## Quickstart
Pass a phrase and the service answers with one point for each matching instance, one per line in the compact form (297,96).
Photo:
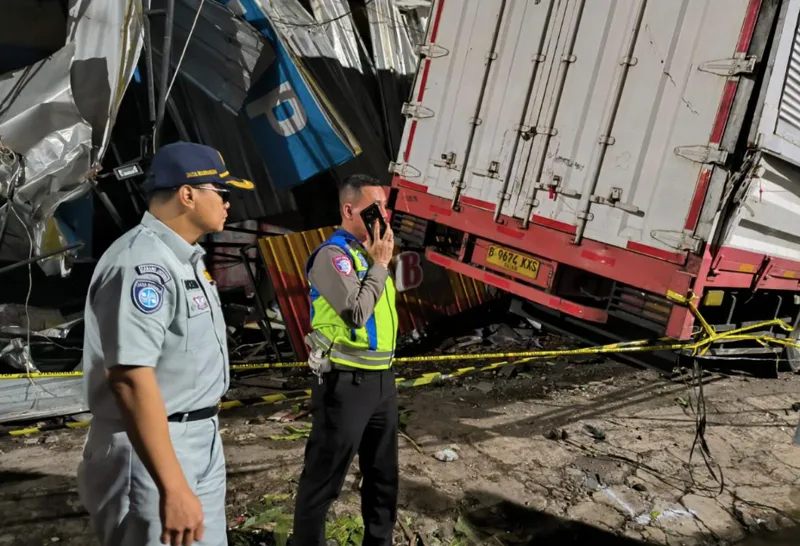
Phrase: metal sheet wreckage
(56,117)
(55,123)
(277,77)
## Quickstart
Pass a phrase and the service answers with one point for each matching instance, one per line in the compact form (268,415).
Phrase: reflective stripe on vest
(370,347)
(338,352)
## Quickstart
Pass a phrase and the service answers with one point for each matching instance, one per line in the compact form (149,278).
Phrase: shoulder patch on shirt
(153,269)
(191,284)
(148,296)
(343,265)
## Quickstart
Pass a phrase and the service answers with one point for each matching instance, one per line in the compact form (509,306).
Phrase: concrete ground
(564,452)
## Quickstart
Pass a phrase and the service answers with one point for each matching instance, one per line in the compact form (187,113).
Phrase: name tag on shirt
(191,284)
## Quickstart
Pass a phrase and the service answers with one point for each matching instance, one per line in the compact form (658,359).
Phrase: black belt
(196,415)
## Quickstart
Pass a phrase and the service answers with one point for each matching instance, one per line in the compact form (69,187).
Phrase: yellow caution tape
(710,336)
(700,347)
(44,428)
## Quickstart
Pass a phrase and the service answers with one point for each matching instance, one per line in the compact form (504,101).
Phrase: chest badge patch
(343,265)
(200,303)
(148,296)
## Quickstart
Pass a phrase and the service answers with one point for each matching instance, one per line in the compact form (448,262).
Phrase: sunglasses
(223,193)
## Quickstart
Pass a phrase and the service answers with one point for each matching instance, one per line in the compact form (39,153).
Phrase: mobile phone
(370,215)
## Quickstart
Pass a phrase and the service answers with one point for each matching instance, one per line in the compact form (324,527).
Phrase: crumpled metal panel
(58,114)
(108,38)
(442,293)
(23,399)
(338,24)
(17,354)
(391,45)
(416,14)
(304,36)
(43,123)
(222,55)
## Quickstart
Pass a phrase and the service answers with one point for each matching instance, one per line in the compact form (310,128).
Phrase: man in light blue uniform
(156,365)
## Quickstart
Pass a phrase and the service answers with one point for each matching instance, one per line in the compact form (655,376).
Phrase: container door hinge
(431,51)
(404,170)
(677,240)
(416,110)
(703,154)
(692,244)
(738,64)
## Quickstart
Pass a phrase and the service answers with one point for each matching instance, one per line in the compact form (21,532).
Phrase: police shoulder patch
(147,295)
(343,265)
(153,269)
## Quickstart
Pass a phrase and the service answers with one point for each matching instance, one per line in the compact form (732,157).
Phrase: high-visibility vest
(368,348)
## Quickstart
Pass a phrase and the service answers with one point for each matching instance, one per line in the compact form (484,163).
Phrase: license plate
(513,261)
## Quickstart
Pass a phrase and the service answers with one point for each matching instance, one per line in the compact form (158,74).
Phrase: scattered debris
(464,342)
(596,433)
(502,334)
(293,432)
(655,515)
(508,371)
(292,414)
(446,456)
(556,434)
(484,386)
(616,498)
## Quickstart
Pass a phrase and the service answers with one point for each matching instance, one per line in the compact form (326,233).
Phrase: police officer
(156,365)
(354,399)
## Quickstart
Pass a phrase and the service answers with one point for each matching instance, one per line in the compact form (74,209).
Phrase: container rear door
(592,114)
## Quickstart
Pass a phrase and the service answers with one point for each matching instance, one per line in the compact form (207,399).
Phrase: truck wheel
(793,353)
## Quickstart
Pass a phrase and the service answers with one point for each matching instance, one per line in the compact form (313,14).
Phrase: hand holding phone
(381,237)
(370,215)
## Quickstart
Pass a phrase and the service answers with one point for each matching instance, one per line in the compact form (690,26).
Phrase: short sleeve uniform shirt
(151,302)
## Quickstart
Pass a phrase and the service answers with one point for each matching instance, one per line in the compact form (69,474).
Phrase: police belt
(196,415)
(363,359)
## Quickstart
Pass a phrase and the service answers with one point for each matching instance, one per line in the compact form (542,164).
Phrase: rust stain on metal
(442,292)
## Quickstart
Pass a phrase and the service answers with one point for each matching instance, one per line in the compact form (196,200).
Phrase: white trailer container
(593,155)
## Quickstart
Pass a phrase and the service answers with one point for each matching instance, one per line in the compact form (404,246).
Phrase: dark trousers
(353,412)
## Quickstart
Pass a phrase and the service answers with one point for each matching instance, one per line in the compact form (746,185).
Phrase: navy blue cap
(182,163)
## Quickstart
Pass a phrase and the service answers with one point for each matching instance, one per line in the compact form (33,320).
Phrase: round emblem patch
(147,296)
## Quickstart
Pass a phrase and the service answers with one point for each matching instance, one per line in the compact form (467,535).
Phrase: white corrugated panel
(573,52)
(789,110)
(779,124)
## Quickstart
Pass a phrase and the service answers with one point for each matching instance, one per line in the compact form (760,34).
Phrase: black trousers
(353,412)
